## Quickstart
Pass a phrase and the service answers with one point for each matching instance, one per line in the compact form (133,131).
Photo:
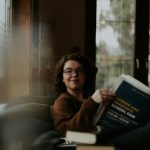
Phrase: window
(149,51)
(5,39)
(5,27)
(115,33)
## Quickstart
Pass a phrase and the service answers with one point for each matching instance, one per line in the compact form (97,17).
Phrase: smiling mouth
(74,80)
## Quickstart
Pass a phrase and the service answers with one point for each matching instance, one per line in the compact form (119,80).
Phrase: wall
(61,26)
(19,53)
(37,37)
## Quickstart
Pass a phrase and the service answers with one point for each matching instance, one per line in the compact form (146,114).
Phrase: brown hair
(89,68)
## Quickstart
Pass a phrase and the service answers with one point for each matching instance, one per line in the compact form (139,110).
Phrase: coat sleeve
(67,116)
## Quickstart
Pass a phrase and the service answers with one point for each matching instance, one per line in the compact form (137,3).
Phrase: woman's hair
(89,68)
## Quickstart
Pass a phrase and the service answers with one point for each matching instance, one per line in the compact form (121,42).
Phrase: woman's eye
(69,71)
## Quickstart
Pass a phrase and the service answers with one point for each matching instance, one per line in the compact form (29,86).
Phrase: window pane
(114,40)
(149,61)
(115,9)
(2,12)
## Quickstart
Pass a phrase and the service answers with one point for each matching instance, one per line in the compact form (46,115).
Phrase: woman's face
(73,76)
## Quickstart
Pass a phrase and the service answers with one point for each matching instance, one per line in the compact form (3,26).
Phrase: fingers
(107,95)
(106,91)
(103,95)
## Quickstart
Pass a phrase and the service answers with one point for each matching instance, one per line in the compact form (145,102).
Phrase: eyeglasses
(70,71)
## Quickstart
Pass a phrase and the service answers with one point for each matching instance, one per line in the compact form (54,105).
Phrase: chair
(26,124)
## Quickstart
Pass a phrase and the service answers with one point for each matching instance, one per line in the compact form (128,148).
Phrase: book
(81,137)
(129,110)
(131,107)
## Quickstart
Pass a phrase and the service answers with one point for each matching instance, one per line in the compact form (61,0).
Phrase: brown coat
(69,113)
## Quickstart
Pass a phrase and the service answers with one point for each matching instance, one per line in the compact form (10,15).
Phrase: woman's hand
(103,95)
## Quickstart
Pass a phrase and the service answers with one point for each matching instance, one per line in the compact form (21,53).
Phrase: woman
(75,107)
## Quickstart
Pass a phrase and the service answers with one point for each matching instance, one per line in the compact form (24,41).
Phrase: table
(89,147)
